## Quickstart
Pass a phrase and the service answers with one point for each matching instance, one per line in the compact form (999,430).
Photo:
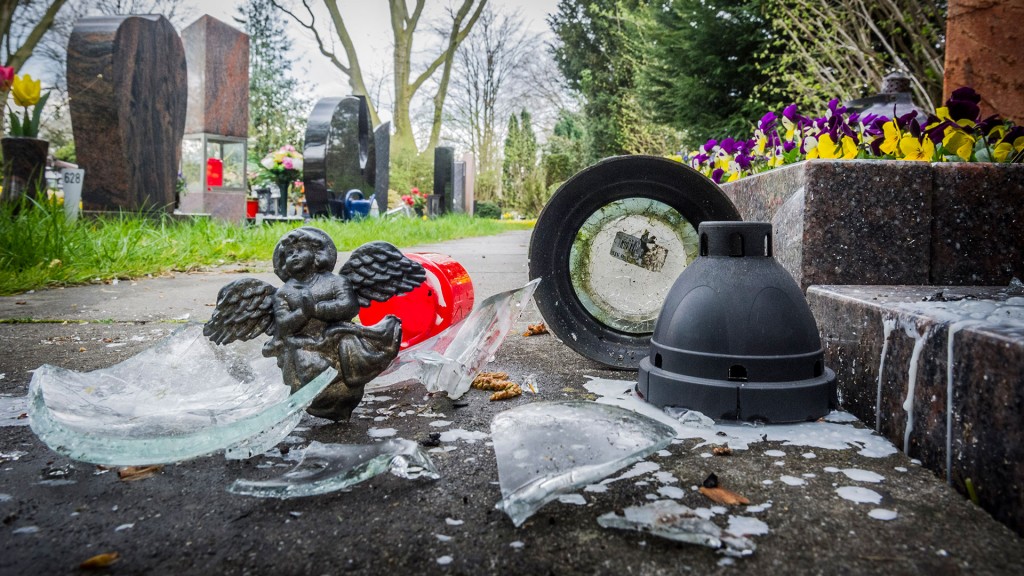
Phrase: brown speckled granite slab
(987,417)
(218,78)
(127,89)
(891,222)
(977,223)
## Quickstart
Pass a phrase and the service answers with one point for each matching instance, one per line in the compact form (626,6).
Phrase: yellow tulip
(25,90)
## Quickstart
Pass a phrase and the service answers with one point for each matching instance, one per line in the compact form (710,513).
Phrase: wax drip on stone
(888,325)
(920,339)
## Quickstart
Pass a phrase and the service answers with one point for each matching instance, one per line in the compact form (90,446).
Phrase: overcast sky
(369,24)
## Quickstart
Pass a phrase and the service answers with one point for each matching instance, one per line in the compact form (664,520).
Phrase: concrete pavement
(184,521)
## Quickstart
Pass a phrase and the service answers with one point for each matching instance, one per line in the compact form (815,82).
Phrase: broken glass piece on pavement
(449,361)
(184,397)
(675,521)
(327,468)
(546,449)
(13,410)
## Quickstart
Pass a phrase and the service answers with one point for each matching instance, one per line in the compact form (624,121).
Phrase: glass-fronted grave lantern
(214,171)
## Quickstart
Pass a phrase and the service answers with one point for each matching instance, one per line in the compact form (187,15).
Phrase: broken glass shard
(13,410)
(184,397)
(327,468)
(546,449)
(678,522)
(449,361)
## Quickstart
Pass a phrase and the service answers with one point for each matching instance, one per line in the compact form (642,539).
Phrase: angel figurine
(310,316)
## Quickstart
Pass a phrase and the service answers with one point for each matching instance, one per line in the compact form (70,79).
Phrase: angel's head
(306,239)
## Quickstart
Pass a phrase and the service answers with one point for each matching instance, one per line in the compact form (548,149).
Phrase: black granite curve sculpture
(310,316)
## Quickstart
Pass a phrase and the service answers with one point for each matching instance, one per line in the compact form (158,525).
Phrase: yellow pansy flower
(891,133)
(914,149)
(961,143)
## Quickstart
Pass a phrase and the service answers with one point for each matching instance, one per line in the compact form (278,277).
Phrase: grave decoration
(284,166)
(954,132)
(735,339)
(310,317)
(24,152)
(609,244)
(214,157)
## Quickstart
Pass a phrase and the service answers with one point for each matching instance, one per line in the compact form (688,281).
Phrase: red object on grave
(443,299)
(214,172)
(252,206)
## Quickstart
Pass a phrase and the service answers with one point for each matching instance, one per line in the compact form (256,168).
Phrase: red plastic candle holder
(443,299)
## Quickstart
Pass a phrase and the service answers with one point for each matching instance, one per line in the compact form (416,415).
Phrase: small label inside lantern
(643,251)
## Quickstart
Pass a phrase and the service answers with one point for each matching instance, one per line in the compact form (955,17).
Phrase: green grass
(40,249)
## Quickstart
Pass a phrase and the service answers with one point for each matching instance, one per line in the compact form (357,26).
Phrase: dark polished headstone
(218,78)
(128,92)
(382,160)
(338,146)
(444,177)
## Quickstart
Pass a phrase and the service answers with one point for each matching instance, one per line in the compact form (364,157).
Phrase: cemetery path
(825,508)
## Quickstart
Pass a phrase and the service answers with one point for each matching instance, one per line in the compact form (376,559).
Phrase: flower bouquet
(415,200)
(285,166)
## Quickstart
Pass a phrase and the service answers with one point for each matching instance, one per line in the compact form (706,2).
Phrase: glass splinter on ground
(184,397)
(449,361)
(546,449)
(327,468)
(674,521)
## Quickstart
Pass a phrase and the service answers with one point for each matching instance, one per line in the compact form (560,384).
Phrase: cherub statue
(310,316)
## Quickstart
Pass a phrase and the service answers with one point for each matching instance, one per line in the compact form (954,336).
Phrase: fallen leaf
(536,329)
(723,496)
(21,302)
(100,561)
(133,473)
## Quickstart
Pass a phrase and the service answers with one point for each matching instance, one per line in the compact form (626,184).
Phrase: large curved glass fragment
(449,361)
(545,449)
(330,467)
(182,398)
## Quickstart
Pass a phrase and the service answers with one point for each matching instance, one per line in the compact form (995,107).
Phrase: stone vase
(24,168)
(284,183)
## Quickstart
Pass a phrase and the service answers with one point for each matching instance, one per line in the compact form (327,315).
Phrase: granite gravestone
(217,121)
(128,93)
(382,159)
(469,193)
(337,154)
(983,42)
(444,171)
(459,187)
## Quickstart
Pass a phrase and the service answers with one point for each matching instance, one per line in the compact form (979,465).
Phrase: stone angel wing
(245,309)
(379,271)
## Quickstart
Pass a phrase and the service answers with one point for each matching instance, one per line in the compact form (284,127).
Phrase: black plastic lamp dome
(735,339)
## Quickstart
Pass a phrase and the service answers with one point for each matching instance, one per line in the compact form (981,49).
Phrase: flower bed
(953,133)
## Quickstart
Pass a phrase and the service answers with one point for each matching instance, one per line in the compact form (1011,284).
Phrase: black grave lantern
(735,339)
